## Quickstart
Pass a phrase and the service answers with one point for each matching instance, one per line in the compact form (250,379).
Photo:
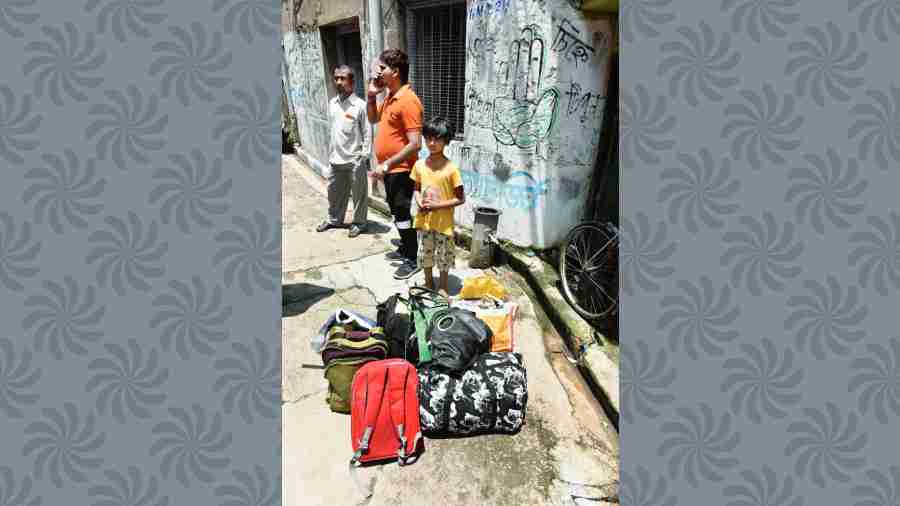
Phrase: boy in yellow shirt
(438,189)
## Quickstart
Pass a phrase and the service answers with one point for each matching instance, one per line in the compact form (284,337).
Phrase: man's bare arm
(372,111)
(413,146)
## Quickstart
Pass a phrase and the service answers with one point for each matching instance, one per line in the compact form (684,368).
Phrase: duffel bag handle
(420,294)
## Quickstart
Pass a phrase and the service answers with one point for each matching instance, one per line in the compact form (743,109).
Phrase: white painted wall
(535,95)
(307,92)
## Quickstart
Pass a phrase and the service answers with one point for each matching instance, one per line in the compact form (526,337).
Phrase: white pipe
(376,30)
(376,35)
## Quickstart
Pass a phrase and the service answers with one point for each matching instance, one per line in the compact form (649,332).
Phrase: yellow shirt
(440,184)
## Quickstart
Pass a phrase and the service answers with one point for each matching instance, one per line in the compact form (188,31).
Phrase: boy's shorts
(436,249)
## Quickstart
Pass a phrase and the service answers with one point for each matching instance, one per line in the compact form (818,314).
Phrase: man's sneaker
(394,255)
(407,269)
(355,230)
(325,226)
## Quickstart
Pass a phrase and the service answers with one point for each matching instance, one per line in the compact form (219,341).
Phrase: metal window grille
(437,40)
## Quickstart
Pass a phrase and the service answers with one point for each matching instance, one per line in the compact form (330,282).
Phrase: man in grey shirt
(349,157)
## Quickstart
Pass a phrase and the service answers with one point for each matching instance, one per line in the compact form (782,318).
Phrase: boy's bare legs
(429,278)
(444,289)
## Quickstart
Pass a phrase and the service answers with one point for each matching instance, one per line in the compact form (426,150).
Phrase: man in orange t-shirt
(397,143)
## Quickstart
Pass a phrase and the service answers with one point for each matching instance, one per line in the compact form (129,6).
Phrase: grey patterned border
(140,252)
(759,272)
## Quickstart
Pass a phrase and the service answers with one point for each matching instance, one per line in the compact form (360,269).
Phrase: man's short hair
(344,69)
(437,127)
(396,59)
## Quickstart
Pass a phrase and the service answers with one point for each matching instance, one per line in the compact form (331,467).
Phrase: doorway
(342,45)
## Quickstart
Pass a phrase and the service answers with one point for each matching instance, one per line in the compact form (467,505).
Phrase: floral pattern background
(139,357)
(760,160)
(760,244)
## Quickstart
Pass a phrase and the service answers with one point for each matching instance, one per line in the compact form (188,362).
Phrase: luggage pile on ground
(439,369)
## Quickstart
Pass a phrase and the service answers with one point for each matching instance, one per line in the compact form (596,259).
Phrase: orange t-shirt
(400,113)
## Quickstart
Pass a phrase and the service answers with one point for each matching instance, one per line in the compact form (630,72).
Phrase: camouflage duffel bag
(489,397)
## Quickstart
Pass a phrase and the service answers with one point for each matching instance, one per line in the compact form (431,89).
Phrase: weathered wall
(535,95)
(308,77)
(308,83)
(393,22)
(325,12)
(306,74)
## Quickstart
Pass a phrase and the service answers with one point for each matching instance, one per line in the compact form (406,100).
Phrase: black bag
(457,337)
(398,328)
(489,398)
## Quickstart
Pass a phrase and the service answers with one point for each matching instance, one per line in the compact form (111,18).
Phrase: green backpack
(345,351)
(423,305)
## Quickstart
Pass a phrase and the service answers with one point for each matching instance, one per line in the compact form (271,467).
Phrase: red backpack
(384,414)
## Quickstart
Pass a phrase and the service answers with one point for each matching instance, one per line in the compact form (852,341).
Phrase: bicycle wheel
(588,264)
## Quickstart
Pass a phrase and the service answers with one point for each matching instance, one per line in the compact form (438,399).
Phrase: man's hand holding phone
(374,88)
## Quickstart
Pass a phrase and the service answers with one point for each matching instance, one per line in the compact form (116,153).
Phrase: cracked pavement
(567,454)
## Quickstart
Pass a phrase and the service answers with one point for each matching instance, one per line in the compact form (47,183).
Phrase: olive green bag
(345,351)
(340,378)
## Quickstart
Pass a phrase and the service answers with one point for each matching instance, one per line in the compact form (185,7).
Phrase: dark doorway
(349,49)
(342,45)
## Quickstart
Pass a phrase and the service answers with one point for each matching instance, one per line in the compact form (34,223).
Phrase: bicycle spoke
(591,252)
(574,256)
(601,290)
(583,247)
(600,251)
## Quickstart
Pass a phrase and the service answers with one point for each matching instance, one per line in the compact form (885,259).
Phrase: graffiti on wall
(527,51)
(569,46)
(479,108)
(534,102)
(304,57)
(481,47)
(311,74)
(478,159)
(527,114)
(389,14)
(481,8)
(520,191)
(585,105)
(307,91)
(313,95)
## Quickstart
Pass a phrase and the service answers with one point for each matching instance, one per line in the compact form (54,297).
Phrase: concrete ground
(567,453)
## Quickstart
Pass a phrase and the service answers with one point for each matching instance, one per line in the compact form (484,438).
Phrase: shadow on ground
(373,227)
(296,298)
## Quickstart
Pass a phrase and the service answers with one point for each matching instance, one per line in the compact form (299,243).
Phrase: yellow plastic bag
(500,317)
(481,286)
(502,324)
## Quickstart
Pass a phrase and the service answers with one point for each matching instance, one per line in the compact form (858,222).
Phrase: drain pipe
(376,37)
(376,30)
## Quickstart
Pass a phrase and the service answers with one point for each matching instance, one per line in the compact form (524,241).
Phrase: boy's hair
(437,127)
(396,59)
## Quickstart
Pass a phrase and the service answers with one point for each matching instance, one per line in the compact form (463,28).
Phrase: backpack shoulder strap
(374,395)
(398,379)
